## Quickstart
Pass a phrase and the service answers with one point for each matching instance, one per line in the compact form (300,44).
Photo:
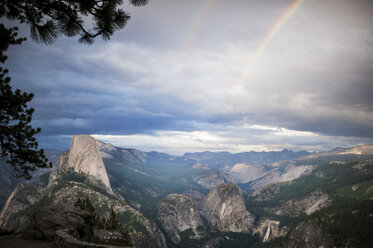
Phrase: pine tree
(18,144)
(100,222)
(78,203)
(88,205)
(113,222)
(85,204)
(49,19)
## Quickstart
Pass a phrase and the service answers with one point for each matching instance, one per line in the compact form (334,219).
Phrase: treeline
(111,223)
(350,224)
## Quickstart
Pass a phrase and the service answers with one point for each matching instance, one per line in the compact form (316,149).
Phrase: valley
(269,199)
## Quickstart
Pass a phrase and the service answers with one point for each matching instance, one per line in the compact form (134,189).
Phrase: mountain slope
(65,186)
(284,171)
(328,198)
(348,224)
(8,182)
(340,180)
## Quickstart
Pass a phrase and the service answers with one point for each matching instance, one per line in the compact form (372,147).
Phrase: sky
(198,75)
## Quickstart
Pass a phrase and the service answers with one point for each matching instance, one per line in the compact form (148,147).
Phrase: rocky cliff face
(222,210)
(84,156)
(225,210)
(178,213)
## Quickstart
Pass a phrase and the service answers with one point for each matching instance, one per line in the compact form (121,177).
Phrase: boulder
(46,221)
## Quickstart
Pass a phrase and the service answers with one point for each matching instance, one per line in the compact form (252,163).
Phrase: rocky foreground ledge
(65,240)
(62,226)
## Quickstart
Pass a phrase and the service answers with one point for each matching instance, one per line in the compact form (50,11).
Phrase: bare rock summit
(225,210)
(84,156)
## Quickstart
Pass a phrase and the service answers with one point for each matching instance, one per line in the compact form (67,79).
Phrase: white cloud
(309,88)
(232,139)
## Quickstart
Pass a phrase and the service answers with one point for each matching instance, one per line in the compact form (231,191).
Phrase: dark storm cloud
(175,72)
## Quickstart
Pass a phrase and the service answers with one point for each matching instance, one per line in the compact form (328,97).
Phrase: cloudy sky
(212,75)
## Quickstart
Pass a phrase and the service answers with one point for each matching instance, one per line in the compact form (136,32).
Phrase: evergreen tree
(112,222)
(78,203)
(88,205)
(85,204)
(49,19)
(100,222)
(18,144)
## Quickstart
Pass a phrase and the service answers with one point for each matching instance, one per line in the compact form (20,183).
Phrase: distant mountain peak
(84,156)
(359,150)
(105,146)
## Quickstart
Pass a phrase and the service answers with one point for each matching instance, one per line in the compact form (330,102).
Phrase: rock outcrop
(223,210)
(84,156)
(70,227)
(178,213)
(46,221)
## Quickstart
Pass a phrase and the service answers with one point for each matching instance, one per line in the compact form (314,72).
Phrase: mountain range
(252,199)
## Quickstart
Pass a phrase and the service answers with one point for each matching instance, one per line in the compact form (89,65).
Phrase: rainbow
(269,36)
(197,23)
